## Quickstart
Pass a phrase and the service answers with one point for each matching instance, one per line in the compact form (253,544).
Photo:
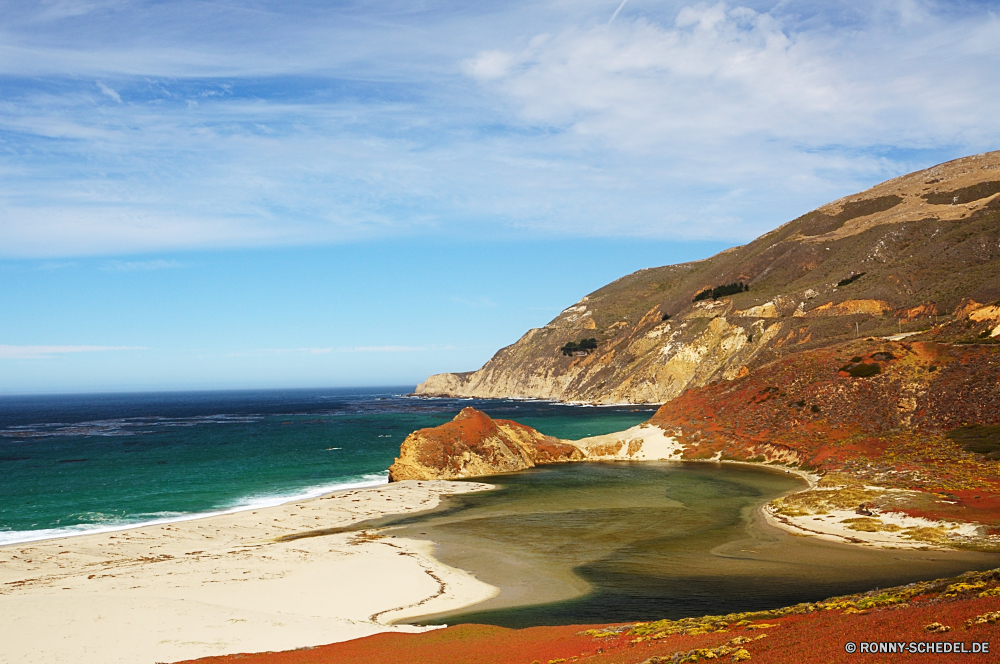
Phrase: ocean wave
(129,426)
(107,523)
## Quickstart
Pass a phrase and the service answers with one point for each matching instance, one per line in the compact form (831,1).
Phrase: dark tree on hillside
(850,280)
(722,291)
(585,345)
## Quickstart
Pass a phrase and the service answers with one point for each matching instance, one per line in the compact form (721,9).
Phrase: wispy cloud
(48,352)
(348,122)
(326,351)
(51,266)
(146,266)
(109,92)
(617,11)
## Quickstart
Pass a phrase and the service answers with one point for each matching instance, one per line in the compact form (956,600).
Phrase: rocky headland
(917,255)
(859,343)
(474,445)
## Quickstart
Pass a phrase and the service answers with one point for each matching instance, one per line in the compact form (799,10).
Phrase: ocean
(78,464)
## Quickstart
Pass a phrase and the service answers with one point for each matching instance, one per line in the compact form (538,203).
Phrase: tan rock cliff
(919,253)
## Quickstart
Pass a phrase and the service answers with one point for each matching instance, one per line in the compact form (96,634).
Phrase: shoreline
(230,583)
(264,503)
(885,529)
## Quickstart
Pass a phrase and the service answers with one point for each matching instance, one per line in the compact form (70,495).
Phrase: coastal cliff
(473,444)
(859,342)
(917,255)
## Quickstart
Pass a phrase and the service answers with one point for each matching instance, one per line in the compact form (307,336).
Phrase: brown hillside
(917,254)
(925,421)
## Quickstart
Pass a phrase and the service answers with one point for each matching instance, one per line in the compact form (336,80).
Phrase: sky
(225,195)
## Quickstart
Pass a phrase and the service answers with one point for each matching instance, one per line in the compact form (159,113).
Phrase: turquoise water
(85,463)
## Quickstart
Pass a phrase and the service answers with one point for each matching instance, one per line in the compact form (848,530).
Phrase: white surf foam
(159,518)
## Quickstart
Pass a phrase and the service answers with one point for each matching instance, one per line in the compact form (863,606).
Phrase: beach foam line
(244,504)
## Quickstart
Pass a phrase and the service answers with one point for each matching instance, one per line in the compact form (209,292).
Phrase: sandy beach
(228,583)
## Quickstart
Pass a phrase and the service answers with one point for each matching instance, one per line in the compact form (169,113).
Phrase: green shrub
(850,280)
(978,439)
(721,291)
(585,345)
(863,370)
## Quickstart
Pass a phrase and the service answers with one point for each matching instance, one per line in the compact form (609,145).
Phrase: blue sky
(254,194)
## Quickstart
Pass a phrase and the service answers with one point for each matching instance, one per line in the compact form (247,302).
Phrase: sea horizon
(85,463)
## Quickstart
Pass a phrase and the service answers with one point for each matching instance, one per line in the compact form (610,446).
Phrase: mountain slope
(917,254)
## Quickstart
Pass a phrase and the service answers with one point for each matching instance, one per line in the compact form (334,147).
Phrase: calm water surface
(613,542)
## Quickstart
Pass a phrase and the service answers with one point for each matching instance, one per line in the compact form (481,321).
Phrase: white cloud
(490,65)
(529,120)
(110,92)
(617,11)
(722,75)
(48,352)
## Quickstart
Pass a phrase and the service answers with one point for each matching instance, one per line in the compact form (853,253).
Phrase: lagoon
(608,542)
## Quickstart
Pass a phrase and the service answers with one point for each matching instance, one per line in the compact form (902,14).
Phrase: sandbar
(229,583)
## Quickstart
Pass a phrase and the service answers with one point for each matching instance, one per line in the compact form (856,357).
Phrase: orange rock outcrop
(473,444)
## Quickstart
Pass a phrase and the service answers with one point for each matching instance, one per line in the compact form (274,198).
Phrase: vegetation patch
(964,195)
(822,501)
(850,280)
(867,524)
(721,291)
(926,534)
(978,438)
(819,223)
(583,346)
(860,369)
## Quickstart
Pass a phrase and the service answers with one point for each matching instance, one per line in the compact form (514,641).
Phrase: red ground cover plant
(888,429)
(963,609)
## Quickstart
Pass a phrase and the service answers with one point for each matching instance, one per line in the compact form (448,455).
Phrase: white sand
(645,442)
(831,526)
(223,585)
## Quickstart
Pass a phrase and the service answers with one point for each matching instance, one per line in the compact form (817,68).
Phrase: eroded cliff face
(473,444)
(917,254)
